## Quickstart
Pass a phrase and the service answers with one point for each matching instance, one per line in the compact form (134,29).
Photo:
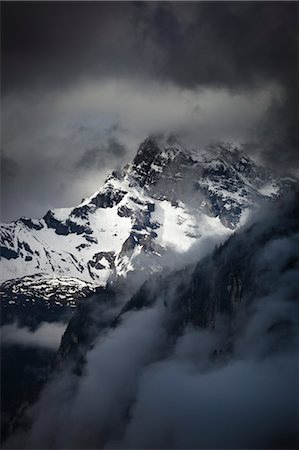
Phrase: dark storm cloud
(57,43)
(96,157)
(9,167)
(236,45)
(9,170)
(220,44)
(145,65)
(277,133)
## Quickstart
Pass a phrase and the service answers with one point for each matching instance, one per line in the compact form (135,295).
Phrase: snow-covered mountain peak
(166,156)
(168,199)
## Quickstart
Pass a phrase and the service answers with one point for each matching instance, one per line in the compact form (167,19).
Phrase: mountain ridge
(236,306)
(167,200)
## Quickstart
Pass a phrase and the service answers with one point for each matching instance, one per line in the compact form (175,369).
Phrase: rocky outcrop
(109,198)
(168,199)
(65,228)
(227,283)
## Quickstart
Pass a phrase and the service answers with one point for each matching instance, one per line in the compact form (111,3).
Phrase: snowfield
(168,199)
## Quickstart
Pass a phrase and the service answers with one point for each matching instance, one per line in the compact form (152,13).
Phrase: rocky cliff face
(222,329)
(167,200)
(229,283)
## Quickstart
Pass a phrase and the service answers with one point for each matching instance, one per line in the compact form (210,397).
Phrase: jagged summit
(166,153)
(168,199)
(171,144)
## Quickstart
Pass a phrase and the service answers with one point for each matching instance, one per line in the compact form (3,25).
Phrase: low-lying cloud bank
(47,335)
(234,385)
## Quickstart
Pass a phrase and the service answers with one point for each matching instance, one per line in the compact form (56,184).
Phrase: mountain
(34,299)
(166,201)
(162,352)
(190,359)
(232,278)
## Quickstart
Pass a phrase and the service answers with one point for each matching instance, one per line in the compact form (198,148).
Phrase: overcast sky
(83,83)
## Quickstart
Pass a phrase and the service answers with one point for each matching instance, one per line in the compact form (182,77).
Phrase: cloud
(96,157)
(47,335)
(277,133)
(241,403)
(154,381)
(66,143)
(195,44)
(9,167)
(195,67)
(10,170)
(111,376)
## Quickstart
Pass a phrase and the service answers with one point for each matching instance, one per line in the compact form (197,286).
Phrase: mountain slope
(167,200)
(198,355)
(231,279)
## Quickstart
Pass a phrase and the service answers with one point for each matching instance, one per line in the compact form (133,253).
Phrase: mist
(47,335)
(67,143)
(77,102)
(204,352)
(233,385)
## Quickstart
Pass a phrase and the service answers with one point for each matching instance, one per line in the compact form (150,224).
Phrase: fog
(66,143)
(47,335)
(81,92)
(233,385)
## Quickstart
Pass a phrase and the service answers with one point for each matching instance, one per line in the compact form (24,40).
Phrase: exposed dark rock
(27,248)
(30,224)
(59,227)
(82,211)
(151,207)
(65,228)
(91,239)
(125,211)
(146,241)
(146,155)
(95,262)
(79,247)
(7,253)
(109,198)
(86,324)
(78,229)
